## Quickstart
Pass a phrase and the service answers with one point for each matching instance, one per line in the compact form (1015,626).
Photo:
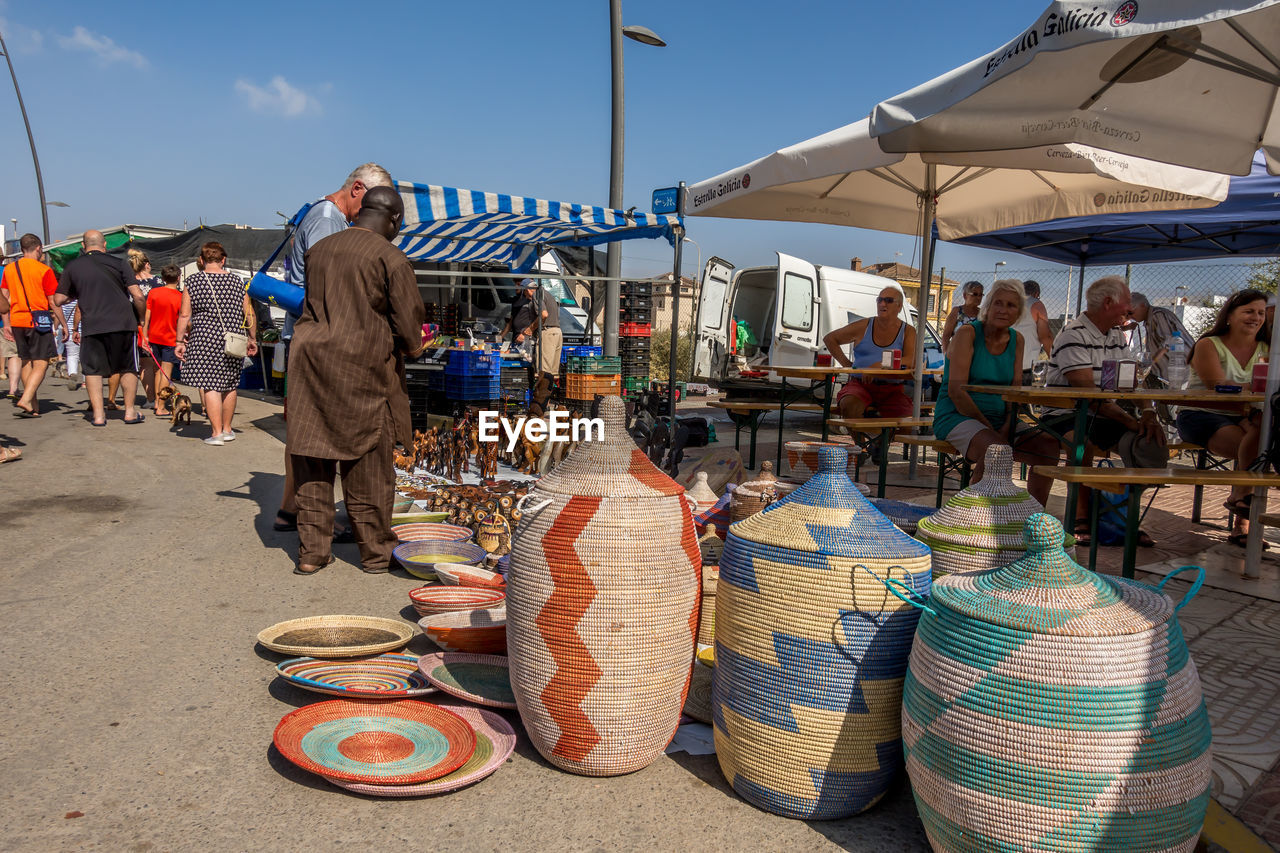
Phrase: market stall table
(824,378)
(888,427)
(1080,399)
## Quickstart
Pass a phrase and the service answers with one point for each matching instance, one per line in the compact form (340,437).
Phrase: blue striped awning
(446,224)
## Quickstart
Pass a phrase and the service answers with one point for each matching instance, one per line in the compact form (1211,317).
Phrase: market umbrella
(844,178)
(1192,82)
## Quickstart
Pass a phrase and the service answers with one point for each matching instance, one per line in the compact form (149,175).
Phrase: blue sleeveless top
(984,369)
(866,353)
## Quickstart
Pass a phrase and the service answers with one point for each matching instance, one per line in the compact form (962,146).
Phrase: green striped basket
(1050,708)
(980,527)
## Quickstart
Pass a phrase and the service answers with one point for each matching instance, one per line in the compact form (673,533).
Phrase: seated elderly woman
(988,351)
(872,337)
(964,313)
(1226,354)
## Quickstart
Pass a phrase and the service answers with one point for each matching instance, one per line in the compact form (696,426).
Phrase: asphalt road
(138,711)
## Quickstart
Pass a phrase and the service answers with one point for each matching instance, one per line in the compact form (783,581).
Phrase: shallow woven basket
(1050,708)
(707,610)
(905,515)
(602,606)
(425,531)
(810,649)
(479,632)
(474,577)
(428,600)
(467,552)
(336,636)
(980,527)
(754,495)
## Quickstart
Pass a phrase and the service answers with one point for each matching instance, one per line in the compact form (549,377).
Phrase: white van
(789,308)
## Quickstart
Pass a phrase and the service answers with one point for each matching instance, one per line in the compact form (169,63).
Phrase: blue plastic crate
(565,352)
(473,363)
(472,387)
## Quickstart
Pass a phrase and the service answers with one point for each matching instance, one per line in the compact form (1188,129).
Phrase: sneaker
(228,436)
(213,441)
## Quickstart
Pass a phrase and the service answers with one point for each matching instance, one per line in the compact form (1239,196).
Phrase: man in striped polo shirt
(1076,361)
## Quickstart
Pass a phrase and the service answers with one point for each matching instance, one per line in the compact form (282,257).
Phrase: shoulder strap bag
(42,320)
(234,344)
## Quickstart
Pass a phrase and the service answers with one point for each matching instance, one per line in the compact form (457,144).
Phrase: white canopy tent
(844,178)
(1190,82)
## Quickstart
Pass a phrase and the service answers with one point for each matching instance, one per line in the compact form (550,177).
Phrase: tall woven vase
(980,527)
(1050,708)
(602,606)
(811,649)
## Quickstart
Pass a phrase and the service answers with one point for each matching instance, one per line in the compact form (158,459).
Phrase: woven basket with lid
(700,495)
(1050,708)
(811,648)
(755,494)
(980,527)
(602,606)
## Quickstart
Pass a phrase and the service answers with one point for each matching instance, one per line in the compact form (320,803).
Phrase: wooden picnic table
(1080,399)
(887,427)
(824,378)
(1115,480)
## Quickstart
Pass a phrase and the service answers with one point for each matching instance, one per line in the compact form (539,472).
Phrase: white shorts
(962,433)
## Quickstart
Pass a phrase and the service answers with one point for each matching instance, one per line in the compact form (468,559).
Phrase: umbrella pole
(1253,549)
(929,200)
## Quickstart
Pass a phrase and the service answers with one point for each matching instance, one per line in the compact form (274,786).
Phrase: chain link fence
(1193,290)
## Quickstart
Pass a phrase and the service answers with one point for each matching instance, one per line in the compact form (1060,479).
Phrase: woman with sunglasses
(873,337)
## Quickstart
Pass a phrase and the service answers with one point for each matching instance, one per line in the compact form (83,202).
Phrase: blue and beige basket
(1050,708)
(980,527)
(811,649)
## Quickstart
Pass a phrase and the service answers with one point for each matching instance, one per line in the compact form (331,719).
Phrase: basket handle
(520,503)
(911,597)
(1191,593)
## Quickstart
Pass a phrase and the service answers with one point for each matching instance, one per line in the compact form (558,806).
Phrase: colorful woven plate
(483,679)
(387,743)
(495,741)
(336,636)
(383,677)
(425,532)
(448,599)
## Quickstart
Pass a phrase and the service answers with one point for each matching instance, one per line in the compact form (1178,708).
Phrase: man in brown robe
(348,405)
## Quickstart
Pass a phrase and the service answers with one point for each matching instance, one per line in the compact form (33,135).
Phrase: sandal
(308,569)
(285,521)
(111,406)
(1081,532)
(9,454)
(1144,540)
(343,535)
(1239,506)
(1241,540)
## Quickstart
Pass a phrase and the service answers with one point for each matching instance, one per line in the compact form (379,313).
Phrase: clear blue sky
(165,113)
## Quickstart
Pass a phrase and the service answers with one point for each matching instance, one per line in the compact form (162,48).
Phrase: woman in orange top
(160,333)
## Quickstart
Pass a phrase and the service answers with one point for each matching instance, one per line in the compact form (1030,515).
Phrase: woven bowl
(455,574)
(480,632)
(412,517)
(336,636)
(418,558)
(430,600)
(430,531)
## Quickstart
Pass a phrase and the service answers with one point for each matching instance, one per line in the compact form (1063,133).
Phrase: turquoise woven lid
(828,515)
(1046,592)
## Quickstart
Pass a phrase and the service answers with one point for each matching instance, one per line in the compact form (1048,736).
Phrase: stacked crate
(514,382)
(586,376)
(634,330)
(444,316)
(473,376)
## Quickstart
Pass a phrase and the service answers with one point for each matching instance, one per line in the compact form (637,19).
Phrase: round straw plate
(483,679)
(428,600)
(383,677)
(419,558)
(426,532)
(336,636)
(387,743)
(495,741)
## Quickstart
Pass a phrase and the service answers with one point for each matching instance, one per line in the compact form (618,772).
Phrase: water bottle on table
(1177,372)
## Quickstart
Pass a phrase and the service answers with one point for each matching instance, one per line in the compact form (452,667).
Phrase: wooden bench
(950,460)
(748,413)
(887,427)
(1115,480)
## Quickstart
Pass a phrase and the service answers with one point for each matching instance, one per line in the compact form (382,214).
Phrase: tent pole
(1257,506)
(1084,259)
(928,198)
(673,367)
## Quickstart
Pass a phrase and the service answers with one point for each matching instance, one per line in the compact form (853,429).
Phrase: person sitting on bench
(988,351)
(1226,354)
(873,337)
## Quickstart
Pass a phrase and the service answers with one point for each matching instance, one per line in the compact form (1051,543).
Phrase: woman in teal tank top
(989,352)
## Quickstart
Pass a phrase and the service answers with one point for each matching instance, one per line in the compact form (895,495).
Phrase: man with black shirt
(110,306)
(529,314)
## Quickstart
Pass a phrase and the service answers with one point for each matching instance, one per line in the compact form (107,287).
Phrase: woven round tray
(363,740)
(426,532)
(381,677)
(495,741)
(398,518)
(482,631)
(455,574)
(698,703)
(483,679)
(419,554)
(428,600)
(336,636)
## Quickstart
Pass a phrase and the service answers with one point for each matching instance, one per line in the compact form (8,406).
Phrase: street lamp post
(44,211)
(613,256)
(996,273)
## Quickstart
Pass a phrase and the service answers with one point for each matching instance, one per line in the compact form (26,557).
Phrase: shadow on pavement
(294,773)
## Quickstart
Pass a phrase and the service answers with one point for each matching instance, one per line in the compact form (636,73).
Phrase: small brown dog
(178,404)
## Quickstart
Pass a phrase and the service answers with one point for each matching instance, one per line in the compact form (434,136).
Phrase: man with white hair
(1160,324)
(1076,361)
(329,215)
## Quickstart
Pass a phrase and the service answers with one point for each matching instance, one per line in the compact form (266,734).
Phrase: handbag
(42,320)
(234,344)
